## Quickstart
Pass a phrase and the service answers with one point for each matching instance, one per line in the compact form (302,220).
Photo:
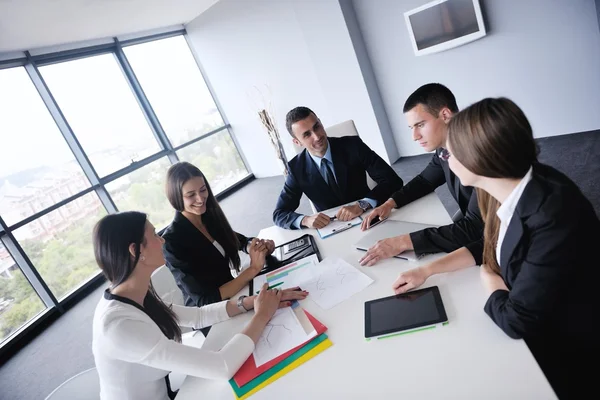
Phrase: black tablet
(405,312)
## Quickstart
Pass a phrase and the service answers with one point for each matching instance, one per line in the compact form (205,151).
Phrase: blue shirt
(317,161)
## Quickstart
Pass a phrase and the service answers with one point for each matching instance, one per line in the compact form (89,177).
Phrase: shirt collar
(507,209)
(327,156)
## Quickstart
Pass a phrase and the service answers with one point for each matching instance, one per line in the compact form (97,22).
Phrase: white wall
(301,50)
(543,54)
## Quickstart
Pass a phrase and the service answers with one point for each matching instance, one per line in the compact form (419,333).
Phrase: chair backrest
(166,287)
(83,386)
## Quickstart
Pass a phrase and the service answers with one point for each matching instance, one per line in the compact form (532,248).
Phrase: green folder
(241,391)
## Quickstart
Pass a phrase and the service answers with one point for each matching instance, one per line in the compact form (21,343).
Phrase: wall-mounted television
(443,24)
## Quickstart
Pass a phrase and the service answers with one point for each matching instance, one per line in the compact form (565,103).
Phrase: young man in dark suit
(428,111)
(331,172)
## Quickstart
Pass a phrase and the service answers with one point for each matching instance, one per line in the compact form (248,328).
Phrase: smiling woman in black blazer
(200,247)
(540,258)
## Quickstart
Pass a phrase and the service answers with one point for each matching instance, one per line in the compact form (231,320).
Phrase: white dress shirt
(133,356)
(507,209)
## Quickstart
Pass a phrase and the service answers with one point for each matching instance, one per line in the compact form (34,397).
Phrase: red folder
(249,370)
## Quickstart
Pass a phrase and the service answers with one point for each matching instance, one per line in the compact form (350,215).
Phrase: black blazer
(351,159)
(446,238)
(549,262)
(197,266)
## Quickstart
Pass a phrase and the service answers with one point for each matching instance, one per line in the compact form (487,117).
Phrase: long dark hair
(214,219)
(113,235)
(492,138)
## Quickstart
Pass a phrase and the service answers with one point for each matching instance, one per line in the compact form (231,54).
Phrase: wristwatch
(364,205)
(240,303)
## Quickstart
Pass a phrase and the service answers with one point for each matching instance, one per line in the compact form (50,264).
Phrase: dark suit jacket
(351,159)
(549,262)
(446,238)
(197,266)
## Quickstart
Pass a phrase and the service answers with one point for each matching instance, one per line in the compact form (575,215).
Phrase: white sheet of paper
(282,333)
(287,274)
(333,281)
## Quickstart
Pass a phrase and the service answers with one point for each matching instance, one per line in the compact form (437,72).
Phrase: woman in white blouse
(136,337)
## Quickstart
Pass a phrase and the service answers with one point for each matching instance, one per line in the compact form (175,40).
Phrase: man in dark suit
(428,111)
(331,172)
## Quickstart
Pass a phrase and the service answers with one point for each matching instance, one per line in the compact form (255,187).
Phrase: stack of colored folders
(250,379)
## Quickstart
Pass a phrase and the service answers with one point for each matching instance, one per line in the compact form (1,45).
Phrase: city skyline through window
(72,122)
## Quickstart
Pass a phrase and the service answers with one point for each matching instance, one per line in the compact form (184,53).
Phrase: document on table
(283,333)
(333,281)
(285,277)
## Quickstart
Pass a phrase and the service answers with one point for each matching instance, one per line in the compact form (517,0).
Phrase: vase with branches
(265,114)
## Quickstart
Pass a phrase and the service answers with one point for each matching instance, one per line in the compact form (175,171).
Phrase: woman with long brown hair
(539,259)
(201,248)
(137,337)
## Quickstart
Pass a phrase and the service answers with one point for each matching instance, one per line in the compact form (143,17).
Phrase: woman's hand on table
(410,279)
(267,302)
(287,297)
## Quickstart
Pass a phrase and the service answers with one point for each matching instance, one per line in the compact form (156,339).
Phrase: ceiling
(30,24)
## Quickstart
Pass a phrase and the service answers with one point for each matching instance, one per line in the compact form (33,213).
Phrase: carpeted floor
(63,349)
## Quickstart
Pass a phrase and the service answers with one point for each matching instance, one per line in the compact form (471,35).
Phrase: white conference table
(470,358)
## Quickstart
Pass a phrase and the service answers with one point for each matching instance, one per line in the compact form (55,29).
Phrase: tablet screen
(406,311)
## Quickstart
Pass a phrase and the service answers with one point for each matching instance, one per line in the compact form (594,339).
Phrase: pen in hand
(295,289)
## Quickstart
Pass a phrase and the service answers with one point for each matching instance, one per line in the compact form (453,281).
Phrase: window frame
(31,63)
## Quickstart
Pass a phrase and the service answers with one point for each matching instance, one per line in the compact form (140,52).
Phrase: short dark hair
(434,97)
(295,115)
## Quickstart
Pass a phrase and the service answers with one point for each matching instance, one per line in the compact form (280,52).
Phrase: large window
(218,159)
(86,133)
(59,244)
(175,87)
(144,190)
(18,301)
(37,169)
(102,111)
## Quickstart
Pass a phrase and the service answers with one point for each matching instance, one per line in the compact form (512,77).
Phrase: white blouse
(507,209)
(133,356)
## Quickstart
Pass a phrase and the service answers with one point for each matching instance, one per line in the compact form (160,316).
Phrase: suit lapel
(452,180)
(317,181)
(339,166)
(457,188)
(314,175)
(194,236)
(530,201)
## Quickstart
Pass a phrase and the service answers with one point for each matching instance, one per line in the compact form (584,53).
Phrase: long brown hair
(113,235)
(214,219)
(492,138)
